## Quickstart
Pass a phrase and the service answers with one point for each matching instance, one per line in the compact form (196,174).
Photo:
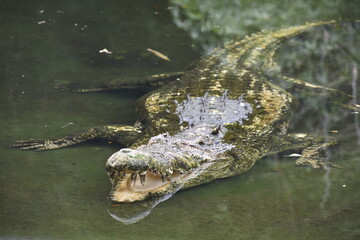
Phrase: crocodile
(212,121)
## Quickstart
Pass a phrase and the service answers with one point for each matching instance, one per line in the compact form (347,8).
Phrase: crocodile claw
(39,145)
(42,145)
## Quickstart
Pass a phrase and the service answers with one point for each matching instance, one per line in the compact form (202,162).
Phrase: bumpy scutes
(213,110)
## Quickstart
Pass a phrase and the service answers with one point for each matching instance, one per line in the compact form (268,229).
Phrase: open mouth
(133,198)
(130,186)
(137,175)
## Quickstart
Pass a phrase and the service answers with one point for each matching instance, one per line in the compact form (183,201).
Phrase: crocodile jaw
(137,175)
(128,189)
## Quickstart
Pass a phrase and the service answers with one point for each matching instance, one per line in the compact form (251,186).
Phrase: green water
(62,194)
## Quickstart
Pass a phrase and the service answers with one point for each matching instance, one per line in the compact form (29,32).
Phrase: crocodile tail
(257,50)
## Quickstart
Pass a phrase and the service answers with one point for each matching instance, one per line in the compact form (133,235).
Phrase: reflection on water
(354,79)
(212,22)
(129,213)
(62,194)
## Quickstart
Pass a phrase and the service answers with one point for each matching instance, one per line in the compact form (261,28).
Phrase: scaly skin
(216,121)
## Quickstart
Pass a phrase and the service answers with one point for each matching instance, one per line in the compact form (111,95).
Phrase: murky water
(63,194)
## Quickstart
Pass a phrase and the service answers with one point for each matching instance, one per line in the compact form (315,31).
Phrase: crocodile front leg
(315,150)
(156,80)
(316,156)
(125,135)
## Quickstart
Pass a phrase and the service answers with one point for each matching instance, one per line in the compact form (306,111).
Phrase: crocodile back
(242,69)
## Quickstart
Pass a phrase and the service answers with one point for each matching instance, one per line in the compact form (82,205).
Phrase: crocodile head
(139,174)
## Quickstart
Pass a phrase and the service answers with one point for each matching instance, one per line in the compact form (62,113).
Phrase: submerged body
(213,121)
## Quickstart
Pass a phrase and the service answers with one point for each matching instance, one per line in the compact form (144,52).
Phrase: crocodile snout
(137,175)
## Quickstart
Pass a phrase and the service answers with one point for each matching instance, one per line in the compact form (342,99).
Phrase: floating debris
(41,22)
(66,125)
(158,54)
(105,51)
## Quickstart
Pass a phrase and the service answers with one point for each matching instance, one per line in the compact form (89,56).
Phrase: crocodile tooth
(142,179)
(133,178)
(112,175)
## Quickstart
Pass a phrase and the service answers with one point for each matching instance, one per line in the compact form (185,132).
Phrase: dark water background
(62,194)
